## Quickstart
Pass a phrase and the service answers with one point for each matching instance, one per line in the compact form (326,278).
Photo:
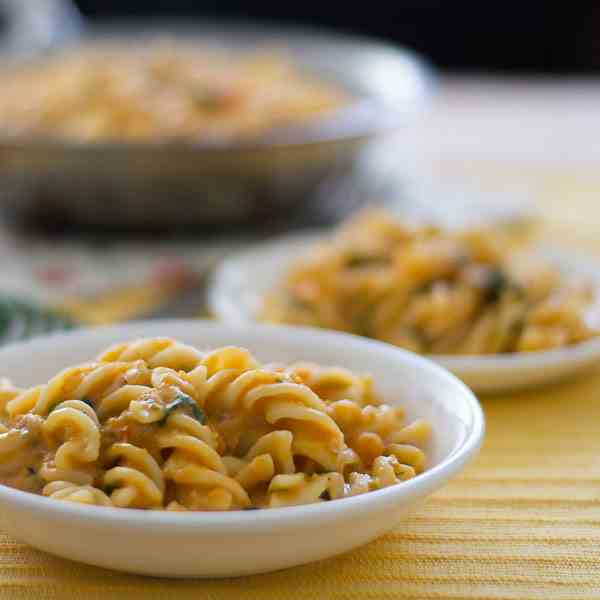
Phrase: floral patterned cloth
(49,283)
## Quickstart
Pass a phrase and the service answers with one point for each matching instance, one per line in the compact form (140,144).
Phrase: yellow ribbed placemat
(522,522)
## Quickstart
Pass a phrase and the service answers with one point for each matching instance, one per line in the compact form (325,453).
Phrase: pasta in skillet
(162,90)
(157,424)
(433,291)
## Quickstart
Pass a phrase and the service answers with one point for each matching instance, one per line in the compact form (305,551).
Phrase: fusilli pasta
(433,291)
(161,90)
(157,424)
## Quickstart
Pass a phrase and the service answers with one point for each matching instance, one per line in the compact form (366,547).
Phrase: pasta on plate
(157,424)
(434,291)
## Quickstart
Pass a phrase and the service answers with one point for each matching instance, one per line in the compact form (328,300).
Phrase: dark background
(539,36)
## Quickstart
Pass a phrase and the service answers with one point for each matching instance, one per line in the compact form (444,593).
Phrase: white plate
(204,544)
(241,281)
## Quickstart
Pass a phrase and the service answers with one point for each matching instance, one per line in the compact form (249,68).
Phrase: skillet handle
(28,27)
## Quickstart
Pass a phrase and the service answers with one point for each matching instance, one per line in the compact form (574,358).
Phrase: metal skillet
(157,186)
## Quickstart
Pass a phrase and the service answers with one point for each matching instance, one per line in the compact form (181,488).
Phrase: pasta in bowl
(157,424)
(218,431)
(434,291)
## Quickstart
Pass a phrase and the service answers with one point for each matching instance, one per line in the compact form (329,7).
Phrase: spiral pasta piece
(334,383)
(137,480)
(156,424)
(195,464)
(23,402)
(73,429)
(278,445)
(8,392)
(259,391)
(291,490)
(21,453)
(228,357)
(260,469)
(82,494)
(271,454)
(156,352)
(217,370)
(91,381)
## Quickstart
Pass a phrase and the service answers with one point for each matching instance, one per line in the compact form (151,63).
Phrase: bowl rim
(253,520)
(386,117)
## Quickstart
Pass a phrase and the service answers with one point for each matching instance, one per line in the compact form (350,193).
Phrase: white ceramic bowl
(243,542)
(242,280)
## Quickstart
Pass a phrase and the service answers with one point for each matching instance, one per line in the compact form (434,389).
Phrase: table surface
(541,120)
(523,520)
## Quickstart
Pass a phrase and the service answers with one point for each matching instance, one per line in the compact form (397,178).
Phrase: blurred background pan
(125,185)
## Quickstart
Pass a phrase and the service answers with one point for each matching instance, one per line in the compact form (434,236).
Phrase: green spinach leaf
(182,400)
